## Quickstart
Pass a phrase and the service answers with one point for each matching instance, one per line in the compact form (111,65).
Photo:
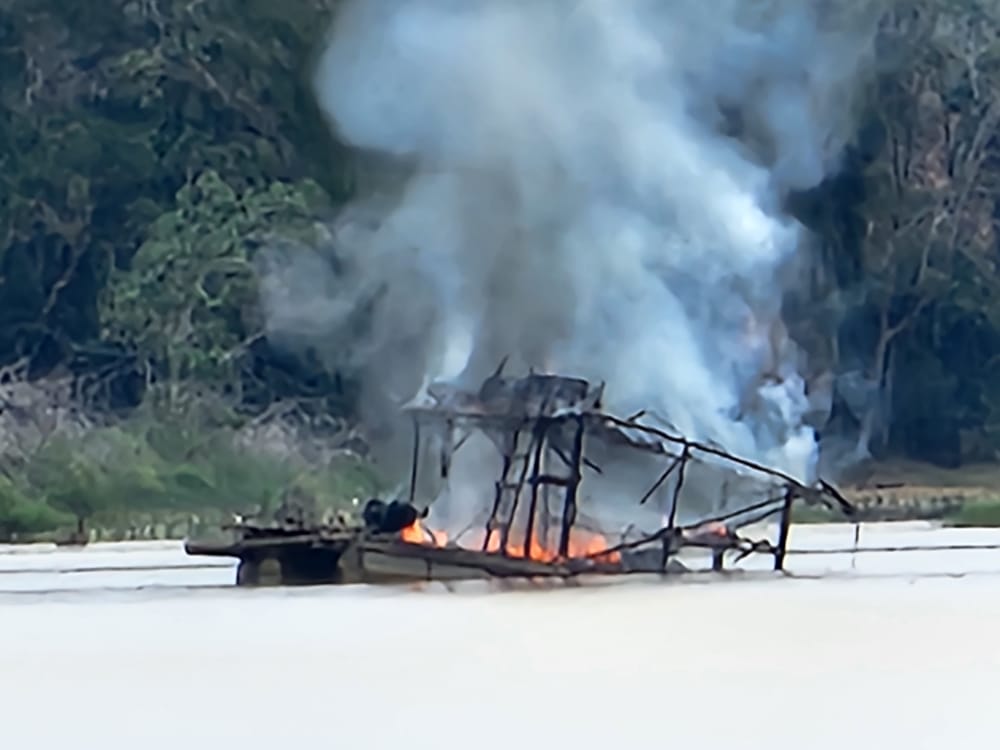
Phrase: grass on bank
(812,514)
(973,513)
(980,514)
(160,482)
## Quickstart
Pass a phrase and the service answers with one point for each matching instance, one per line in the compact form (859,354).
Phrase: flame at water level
(581,544)
(417,533)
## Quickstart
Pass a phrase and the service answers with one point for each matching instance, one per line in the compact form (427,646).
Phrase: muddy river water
(137,646)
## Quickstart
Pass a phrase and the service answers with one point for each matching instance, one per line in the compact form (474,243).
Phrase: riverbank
(950,506)
(912,491)
(893,491)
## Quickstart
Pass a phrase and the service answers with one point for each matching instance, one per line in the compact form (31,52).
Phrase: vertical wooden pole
(569,506)
(414,467)
(510,448)
(536,473)
(675,500)
(516,500)
(783,531)
(718,560)
(447,448)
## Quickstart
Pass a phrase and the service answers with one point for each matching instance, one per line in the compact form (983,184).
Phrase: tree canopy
(117,112)
(150,147)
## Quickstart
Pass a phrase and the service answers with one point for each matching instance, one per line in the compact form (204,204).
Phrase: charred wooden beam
(536,474)
(569,506)
(553,480)
(545,517)
(495,563)
(763,509)
(561,454)
(505,533)
(662,478)
(718,560)
(415,460)
(510,448)
(825,494)
(447,449)
(783,531)
(675,501)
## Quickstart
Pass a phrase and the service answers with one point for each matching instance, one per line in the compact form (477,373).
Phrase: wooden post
(783,530)
(536,473)
(569,506)
(447,448)
(545,514)
(676,499)
(718,560)
(516,500)
(508,458)
(661,479)
(414,468)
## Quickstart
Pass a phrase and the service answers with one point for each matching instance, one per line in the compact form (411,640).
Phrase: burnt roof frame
(473,412)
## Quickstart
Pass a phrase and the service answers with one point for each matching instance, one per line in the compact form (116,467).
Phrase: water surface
(138,646)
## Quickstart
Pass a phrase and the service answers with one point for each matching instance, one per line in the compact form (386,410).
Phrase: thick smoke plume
(596,189)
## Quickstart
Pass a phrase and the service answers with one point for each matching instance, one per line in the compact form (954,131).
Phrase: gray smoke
(596,190)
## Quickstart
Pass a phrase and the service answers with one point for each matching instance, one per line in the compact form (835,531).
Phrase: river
(138,646)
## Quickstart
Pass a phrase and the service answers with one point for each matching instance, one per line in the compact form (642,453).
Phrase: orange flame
(417,533)
(581,544)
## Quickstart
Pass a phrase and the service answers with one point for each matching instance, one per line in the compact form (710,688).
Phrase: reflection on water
(138,646)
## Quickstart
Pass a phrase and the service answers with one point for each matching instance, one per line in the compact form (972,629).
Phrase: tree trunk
(870,421)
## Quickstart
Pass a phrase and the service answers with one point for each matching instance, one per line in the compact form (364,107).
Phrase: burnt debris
(542,425)
(381,517)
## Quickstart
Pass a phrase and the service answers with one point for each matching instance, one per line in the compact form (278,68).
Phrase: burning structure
(546,429)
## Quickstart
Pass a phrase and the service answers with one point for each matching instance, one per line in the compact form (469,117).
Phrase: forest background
(150,148)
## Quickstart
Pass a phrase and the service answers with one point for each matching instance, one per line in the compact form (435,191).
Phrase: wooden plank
(493,563)
(381,567)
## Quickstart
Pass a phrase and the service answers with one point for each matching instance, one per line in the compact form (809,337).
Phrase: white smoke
(597,192)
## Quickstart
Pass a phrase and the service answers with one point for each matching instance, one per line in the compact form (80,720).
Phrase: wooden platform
(351,557)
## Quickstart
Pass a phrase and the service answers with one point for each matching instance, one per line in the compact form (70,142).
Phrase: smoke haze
(596,191)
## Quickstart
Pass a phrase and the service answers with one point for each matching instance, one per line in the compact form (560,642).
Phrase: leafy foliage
(913,238)
(112,107)
(985,514)
(149,149)
(186,303)
(152,467)
(21,516)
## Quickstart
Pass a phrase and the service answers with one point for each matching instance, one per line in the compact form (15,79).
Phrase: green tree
(100,474)
(110,107)
(911,233)
(187,302)
(20,516)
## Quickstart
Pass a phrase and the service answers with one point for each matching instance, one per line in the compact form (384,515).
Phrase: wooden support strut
(783,530)
(668,538)
(414,467)
(505,531)
(536,481)
(675,500)
(447,450)
(661,479)
(569,506)
(508,460)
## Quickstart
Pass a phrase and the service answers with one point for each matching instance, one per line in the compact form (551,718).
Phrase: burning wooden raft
(543,427)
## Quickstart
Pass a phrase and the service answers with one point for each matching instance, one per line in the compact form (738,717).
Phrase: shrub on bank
(122,478)
(23,517)
(982,514)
